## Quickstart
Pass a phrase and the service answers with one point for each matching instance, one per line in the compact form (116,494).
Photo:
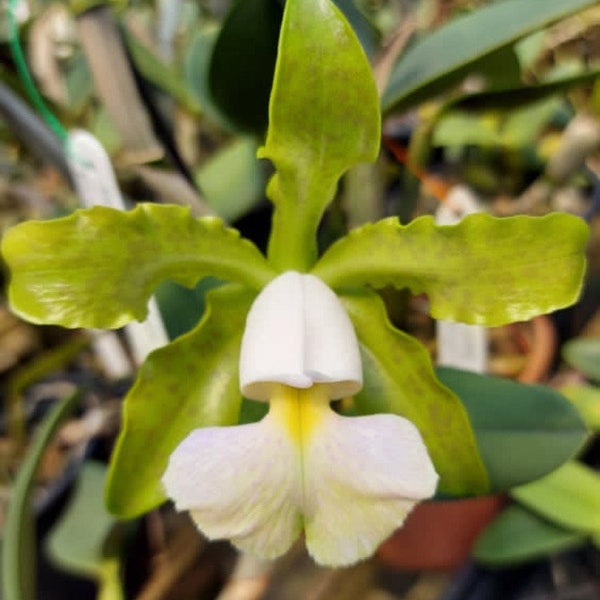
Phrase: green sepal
(191,383)
(517,535)
(98,267)
(484,270)
(399,378)
(323,118)
(569,496)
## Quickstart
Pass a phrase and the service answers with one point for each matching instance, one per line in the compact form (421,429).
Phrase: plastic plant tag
(92,171)
(460,345)
(96,185)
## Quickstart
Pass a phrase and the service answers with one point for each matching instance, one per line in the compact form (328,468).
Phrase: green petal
(484,270)
(399,378)
(191,383)
(323,118)
(98,267)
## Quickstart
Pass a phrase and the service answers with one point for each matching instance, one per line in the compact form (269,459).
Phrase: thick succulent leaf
(191,383)
(584,355)
(523,431)
(399,378)
(323,118)
(569,497)
(243,61)
(450,51)
(98,267)
(483,270)
(518,535)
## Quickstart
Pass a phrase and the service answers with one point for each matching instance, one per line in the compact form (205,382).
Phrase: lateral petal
(363,475)
(240,483)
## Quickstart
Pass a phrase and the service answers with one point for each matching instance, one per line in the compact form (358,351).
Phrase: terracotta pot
(439,534)
(524,351)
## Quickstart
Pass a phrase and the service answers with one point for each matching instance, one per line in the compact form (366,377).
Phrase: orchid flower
(347,482)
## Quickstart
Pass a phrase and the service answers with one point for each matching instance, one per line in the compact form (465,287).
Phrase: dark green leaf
(517,535)
(457,46)
(243,62)
(523,431)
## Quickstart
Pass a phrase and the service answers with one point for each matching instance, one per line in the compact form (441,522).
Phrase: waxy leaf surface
(484,270)
(323,118)
(191,383)
(569,496)
(518,535)
(98,267)
(443,57)
(242,63)
(523,431)
(399,378)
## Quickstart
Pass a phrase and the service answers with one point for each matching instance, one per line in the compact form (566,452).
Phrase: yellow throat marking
(299,411)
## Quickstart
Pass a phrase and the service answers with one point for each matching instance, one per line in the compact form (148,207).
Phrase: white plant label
(459,345)
(96,184)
